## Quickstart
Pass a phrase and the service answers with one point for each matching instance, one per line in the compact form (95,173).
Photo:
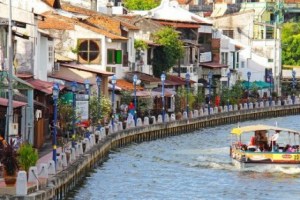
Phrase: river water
(191,166)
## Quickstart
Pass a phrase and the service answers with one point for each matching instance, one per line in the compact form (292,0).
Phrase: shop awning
(257,84)
(16,104)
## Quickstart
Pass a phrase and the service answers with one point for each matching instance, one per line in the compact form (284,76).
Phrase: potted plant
(8,158)
(27,156)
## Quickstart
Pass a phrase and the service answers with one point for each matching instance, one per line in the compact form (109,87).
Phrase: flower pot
(10,180)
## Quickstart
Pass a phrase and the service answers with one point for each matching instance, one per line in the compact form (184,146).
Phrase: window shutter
(118,56)
(109,56)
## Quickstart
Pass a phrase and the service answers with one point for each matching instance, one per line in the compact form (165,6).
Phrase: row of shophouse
(55,41)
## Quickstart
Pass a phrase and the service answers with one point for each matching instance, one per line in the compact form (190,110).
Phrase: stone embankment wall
(59,184)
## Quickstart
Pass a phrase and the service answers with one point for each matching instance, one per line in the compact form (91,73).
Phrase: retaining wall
(66,180)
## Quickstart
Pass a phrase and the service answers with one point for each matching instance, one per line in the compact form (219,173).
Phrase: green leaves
(141,4)
(290,44)
(170,51)
(27,156)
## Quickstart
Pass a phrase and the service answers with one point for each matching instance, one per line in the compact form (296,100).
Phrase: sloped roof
(52,3)
(84,68)
(143,77)
(100,19)
(59,22)
(177,79)
(170,10)
(15,104)
(178,24)
(43,86)
(125,85)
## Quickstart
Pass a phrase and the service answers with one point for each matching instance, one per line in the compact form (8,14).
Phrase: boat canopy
(260,127)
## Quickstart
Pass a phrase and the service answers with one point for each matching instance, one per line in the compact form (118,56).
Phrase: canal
(189,166)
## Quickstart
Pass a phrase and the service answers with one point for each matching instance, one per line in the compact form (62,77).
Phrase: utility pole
(9,114)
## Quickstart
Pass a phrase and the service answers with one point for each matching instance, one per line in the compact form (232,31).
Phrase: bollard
(21,185)
(167,118)
(64,159)
(159,119)
(33,176)
(146,121)
(173,117)
(51,167)
(79,148)
(43,174)
(72,156)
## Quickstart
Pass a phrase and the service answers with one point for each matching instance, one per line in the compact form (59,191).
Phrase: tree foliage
(171,49)
(104,106)
(141,4)
(290,44)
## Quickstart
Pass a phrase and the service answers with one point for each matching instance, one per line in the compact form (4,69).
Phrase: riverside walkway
(89,153)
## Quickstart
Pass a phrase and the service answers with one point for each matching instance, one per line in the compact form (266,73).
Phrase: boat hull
(284,159)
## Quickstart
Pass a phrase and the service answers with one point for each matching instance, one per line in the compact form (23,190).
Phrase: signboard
(205,57)
(82,110)
(82,97)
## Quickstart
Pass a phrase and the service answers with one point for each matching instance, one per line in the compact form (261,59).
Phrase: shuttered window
(114,56)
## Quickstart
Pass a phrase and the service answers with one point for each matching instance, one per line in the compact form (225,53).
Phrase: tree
(141,4)
(105,106)
(290,44)
(171,49)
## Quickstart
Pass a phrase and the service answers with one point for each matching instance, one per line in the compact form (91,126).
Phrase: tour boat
(264,144)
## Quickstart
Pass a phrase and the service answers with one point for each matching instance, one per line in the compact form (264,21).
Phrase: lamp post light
(209,90)
(87,86)
(270,79)
(249,76)
(135,105)
(228,85)
(294,84)
(74,87)
(187,79)
(98,81)
(113,81)
(163,78)
(55,92)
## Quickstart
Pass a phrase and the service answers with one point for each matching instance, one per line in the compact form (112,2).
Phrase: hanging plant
(140,45)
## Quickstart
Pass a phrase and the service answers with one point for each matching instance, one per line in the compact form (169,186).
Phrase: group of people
(259,143)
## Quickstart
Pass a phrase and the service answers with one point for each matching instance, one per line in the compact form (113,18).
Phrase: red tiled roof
(179,24)
(59,22)
(125,85)
(43,86)
(100,19)
(16,104)
(177,79)
(213,65)
(84,68)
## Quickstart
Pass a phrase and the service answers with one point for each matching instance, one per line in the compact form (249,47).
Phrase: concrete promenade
(66,177)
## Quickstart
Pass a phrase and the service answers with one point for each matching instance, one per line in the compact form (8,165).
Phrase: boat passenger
(274,140)
(252,141)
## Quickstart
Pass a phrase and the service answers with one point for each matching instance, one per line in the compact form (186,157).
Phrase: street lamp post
(135,105)
(249,76)
(163,78)
(270,79)
(187,79)
(228,85)
(113,81)
(98,81)
(55,92)
(294,84)
(209,90)
(74,87)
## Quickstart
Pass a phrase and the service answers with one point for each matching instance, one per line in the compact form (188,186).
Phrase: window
(50,54)
(114,56)
(228,33)
(89,51)
(149,56)
(224,58)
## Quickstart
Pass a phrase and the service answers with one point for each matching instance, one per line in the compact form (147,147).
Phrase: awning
(43,86)
(259,127)
(125,85)
(257,84)
(16,104)
(167,92)
(213,65)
